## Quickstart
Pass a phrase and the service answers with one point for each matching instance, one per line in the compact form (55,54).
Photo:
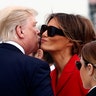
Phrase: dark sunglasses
(79,65)
(51,31)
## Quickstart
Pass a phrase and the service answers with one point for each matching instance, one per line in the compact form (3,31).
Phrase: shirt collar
(92,88)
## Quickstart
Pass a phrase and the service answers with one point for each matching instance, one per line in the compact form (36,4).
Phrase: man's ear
(19,31)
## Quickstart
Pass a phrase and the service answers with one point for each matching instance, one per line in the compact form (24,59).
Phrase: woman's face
(84,74)
(55,43)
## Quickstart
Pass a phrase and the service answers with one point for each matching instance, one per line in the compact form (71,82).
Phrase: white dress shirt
(17,45)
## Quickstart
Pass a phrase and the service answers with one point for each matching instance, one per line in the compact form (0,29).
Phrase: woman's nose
(44,34)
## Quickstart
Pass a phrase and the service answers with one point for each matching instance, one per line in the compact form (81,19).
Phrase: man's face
(31,38)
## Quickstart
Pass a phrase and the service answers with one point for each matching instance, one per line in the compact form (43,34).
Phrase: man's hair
(10,17)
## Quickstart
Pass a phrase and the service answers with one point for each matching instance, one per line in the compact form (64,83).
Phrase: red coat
(69,83)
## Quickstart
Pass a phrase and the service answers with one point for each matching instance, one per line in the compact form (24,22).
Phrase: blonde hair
(10,17)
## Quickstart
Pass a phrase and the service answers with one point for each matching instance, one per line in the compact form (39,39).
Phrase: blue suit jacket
(22,75)
(92,92)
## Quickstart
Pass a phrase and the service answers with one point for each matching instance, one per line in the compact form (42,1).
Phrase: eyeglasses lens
(78,65)
(51,31)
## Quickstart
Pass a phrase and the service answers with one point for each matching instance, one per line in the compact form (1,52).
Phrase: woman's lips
(43,40)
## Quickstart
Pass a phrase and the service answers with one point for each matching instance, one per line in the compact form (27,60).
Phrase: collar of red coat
(66,73)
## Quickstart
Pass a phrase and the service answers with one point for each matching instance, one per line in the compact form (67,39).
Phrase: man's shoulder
(36,61)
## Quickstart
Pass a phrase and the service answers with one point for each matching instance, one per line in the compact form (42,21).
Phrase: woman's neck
(60,60)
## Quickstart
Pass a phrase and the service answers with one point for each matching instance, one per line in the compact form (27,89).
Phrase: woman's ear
(90,69)
(19,31)
(70,43)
